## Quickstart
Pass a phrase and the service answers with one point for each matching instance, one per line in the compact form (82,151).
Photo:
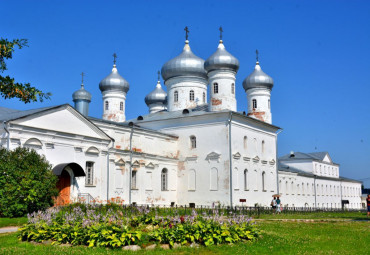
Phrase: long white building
(192,148)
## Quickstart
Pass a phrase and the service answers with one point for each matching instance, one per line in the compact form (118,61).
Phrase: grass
(321,237)
(7,222)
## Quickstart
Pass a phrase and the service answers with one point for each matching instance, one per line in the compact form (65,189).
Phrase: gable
(62,119)
(327,159)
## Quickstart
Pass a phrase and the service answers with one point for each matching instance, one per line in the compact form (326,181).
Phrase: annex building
(193,147)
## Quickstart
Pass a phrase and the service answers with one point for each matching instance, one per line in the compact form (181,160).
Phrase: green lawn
(6,222)
(321,237)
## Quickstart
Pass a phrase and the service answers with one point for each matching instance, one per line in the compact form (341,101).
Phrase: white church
(193,148)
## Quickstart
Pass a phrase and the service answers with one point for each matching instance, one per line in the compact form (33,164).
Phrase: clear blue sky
(318,53)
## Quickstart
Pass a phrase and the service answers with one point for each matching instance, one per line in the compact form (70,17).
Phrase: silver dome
(114,81)
(221,59)
(81,94)
(158,95)
(258,79)
(185,64)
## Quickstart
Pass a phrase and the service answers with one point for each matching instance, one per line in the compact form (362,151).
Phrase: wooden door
(64,186)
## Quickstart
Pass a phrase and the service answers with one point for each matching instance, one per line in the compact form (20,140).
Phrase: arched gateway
(65,173)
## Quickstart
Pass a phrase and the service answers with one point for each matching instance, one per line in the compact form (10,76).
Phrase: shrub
(27,183)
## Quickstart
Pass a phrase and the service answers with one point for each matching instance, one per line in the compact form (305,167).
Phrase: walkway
(8,229)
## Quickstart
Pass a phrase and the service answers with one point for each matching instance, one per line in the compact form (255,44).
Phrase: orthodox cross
(114,58)
(220,32)
(186,32)
(159,75)
(257,55)
(82,76)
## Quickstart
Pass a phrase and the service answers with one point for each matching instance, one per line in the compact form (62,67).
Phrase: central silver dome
(114,81)
(157,96)
(81,94)
(185,64)
(221,59)
(258,79)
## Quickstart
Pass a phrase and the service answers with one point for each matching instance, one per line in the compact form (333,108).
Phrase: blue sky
(316,51)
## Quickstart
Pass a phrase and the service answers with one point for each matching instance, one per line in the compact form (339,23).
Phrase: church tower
(82,99)
(186,80)
(114,89)
(221,69)
(258,86)
(157,99)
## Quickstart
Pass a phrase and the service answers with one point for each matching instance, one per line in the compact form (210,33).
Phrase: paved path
(8,229)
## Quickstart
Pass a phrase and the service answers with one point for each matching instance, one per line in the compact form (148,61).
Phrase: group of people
(276,205)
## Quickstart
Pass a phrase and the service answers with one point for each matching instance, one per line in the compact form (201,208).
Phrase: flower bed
(115,226)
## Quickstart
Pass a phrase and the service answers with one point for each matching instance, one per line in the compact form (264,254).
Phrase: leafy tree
(8,87)
(27,183)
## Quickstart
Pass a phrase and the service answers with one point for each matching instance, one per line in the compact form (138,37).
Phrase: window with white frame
(176,96)
(133,179)
(106,105)
(121,106)
(215,88)
(263,181)
(245,179)
(193,142)
(269,104)
(232,88)
(164,179)
(191,95)
(89,173)
(263,147)
(254,102)
(204,97)
(245,142)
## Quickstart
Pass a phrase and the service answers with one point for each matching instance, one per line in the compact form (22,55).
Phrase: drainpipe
(314,186)
(277,163)
(231,162)
(8,136)
(131,134)
(108,170)
(342,205)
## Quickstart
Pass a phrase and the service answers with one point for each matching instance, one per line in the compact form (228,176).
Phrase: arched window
(176,96)
(204,97)
(215,88)
(254,101)
(164,179)
(245,142)
(89,179)
(121,106)
(232,88)
(302,188)
(286,187)
(263,147)
(269,104)
(263,181)
(236,178)
(193,142)
(191,95)
(106,105)
(245,179)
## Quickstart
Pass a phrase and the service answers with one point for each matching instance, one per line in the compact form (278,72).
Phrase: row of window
(326,170)
(191,96)
(321,190)
(215,88)
(254,103)
(107,106)
(164,179)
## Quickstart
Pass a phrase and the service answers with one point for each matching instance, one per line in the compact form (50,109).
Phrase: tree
(8,87)
(27,183)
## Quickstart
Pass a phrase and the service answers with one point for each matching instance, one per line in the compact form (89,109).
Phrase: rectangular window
(133,180)
(89,173)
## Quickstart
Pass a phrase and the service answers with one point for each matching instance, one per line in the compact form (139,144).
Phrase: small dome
(81,94)
(221,59)
(114,81)
(258,79)
(185,64)
(157,96)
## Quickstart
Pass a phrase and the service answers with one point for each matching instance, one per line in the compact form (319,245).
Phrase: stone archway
(64,187)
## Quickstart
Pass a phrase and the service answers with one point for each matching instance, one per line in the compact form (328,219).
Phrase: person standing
(368,205)
(273,204)
(278,204)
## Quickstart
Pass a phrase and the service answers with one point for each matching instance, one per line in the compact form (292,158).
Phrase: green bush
(27,183)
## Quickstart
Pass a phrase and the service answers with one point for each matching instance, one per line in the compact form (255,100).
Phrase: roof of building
(7,114)
(196,111)
(301,155)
